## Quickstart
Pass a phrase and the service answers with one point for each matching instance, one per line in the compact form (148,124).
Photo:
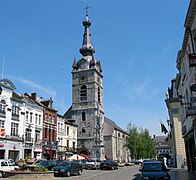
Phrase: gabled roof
(110,126)
(68,114)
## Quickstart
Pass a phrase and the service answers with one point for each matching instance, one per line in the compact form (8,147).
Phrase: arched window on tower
(83,93)
(83,116)
(99,95)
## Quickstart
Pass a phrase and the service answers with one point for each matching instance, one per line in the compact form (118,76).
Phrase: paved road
(124,173)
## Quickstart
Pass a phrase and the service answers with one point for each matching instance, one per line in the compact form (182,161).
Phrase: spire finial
(86,8)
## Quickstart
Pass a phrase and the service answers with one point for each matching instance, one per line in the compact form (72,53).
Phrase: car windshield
(90,160)
(152,167)
(64,163)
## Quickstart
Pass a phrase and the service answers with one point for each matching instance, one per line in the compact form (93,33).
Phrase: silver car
(92,164)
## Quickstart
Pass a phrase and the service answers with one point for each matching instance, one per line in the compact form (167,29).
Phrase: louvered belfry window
(83,93)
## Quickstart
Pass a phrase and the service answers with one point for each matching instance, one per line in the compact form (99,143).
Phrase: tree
(140,143)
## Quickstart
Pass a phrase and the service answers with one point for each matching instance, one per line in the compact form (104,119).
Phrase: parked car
(109,164)
(39,160)
(68,168)
(137,161)
(5,166)
(82,162)
(92,163)
(49,164)
(154,170)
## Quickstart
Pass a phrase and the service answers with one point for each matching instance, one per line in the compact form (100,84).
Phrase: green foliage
(40,169)
(140,143)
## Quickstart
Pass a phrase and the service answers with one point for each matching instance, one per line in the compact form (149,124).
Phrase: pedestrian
(165,161)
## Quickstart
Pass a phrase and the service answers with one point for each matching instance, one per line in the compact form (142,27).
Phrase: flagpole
(3,67)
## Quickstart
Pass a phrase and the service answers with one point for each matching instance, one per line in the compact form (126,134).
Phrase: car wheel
(80,172)
(68,173)
(1,174)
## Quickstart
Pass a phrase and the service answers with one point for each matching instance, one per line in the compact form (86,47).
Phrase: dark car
(154,170)
(82,162)
(109,164)
(68,168)
(49,164)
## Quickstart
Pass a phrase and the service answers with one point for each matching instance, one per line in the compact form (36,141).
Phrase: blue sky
(136,41)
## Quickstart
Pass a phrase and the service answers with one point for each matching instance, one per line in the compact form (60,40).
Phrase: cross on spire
(87,7)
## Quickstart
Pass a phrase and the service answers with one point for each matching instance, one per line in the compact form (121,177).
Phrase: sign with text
(190,110)
(192,60)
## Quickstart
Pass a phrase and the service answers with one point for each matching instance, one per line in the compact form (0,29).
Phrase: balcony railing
(38,141)
(29,139)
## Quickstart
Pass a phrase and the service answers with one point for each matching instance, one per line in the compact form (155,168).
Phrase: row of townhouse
(31,128)
(181,99)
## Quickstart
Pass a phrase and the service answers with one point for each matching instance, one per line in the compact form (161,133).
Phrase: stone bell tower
(87,98)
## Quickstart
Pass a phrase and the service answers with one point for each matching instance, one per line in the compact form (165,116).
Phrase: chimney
(34,96)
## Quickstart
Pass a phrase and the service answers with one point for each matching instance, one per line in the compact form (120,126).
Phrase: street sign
(192,60)
(190,110)
(193,87)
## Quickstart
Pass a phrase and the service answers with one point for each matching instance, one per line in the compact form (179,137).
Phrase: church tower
(87,98)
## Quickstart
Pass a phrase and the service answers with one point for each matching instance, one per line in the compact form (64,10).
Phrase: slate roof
(110,126)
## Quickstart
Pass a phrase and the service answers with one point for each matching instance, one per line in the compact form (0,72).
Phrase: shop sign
(190,110)
(192,60)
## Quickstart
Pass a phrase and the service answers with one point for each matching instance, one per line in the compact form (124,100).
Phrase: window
(2,124)
(28,135)
(67,130)
(31,117)
(14,129)
(27,116)
(83,116)
(68,143)
(2,106)
(39,119)
(58,126)
(52,119)
(15,110)
(37,136)
(83,93)
(35,118)
(99,95)
(46,134)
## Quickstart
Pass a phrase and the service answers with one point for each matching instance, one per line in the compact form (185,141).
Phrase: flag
(163,129)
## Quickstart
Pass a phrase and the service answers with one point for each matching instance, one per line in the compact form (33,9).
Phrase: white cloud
(143,89)
(42,89)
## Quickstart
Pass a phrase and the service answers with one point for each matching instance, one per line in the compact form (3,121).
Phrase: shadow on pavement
(137,176)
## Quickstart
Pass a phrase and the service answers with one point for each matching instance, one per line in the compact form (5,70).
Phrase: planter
(20,163)
(30,160)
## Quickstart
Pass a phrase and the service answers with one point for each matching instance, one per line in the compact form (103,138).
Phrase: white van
(6,166)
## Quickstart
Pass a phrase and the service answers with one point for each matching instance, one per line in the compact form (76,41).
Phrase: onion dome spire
(87,48)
